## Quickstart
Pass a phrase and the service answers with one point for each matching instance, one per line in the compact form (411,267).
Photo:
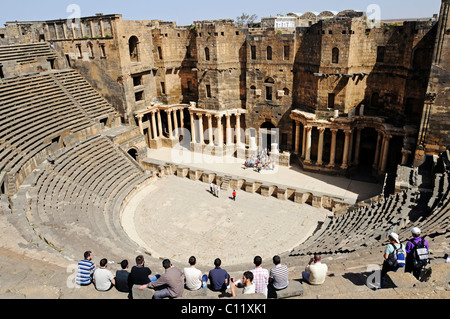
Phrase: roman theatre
(332,131)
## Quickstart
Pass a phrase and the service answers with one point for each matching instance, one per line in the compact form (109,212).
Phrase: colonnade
(215,134)
(205,125)
(350,151)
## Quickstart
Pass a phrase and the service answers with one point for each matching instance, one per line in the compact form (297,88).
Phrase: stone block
(294,289)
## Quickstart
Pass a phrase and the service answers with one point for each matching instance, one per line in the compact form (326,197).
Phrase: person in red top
(234,195)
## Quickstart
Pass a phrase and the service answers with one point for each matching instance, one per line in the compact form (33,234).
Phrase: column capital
(334,130)
(321,129)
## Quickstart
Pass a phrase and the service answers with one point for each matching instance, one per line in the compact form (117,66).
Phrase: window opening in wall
(52,63)
(80,52)
(103,50)
(133,44)
(2,75)
(269,53)
(91,50)
(160,54)
(208,90)
(207,57)
(163,88)
(137,80)
(335,56)
(331,100)
(286,52)
(380,53)
(68,60)
(253,52)
(190,87)
(139,96)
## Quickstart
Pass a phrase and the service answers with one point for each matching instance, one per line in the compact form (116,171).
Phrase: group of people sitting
(261,161)
(173,282)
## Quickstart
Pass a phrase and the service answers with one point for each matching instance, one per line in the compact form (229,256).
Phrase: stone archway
(133,153)
(267,135)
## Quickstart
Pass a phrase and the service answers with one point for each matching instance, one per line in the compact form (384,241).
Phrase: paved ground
(350,190)
(177,217)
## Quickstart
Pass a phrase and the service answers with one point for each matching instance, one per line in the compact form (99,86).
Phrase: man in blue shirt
(85,270)
(218,277)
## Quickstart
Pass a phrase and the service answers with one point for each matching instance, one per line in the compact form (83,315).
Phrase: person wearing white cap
(394,245)
(417,241)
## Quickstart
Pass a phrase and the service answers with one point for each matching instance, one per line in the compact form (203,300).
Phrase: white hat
(415,231)
(395,237)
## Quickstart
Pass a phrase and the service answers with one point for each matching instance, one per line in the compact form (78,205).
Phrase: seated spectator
(260,276)
(85,270)
(247,284)
(103,277)
(218,277)
(315,272)
(192,275)
(278,277)
(122,277)
(139,274)
(170,284)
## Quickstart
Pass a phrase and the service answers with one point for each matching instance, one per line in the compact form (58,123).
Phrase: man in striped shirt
(278,277)
(260,276)
(85,270)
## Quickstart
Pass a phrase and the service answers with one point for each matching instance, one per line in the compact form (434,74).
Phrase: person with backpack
(417,250)
(394,257)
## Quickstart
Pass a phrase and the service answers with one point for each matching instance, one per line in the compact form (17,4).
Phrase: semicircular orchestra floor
(176,218)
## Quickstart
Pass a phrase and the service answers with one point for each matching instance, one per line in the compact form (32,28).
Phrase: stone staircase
(225,183)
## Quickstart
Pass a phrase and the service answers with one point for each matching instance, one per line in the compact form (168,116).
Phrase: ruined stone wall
(270,57)
(220,46)
(434,135)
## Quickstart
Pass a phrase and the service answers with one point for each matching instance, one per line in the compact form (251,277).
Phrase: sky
(185,12)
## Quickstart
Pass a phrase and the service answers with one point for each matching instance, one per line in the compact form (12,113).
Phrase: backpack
(396,259)
(420,254)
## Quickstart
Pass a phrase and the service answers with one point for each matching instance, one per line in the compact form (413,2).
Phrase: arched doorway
(133,153)
(268,135)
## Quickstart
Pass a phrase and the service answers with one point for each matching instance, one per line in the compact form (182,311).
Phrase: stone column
(219,131)
(139,117)
(193,128)
(238,129)
(357,145)
(228,129)
(346,148)
(182,119)
(377,151)
(387,139)
(333,147)
(350,149)
(297,137)
(304,142)
(200,128)
(154,127)
(308,144)
(175,122)
(160,125)
(320,149)
(169,122)
(210,129)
